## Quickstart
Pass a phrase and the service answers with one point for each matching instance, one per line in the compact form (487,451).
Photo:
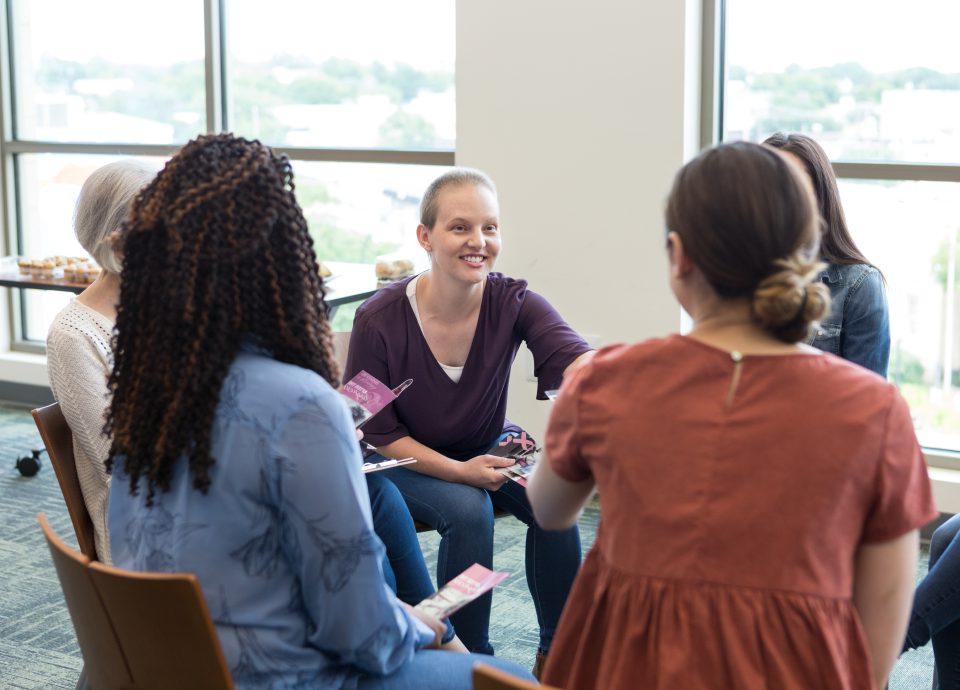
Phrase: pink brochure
(461,590)
(366,395)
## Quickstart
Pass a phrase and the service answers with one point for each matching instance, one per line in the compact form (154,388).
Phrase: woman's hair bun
(790,301)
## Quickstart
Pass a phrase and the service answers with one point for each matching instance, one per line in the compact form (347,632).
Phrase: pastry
(44,268)
(393,269)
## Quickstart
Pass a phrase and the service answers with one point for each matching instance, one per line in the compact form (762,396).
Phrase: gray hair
(452,178)
(103,204)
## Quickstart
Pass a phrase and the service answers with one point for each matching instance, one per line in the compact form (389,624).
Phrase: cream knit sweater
(79,361)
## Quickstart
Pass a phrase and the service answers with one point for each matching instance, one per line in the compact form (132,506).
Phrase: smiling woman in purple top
(455,330)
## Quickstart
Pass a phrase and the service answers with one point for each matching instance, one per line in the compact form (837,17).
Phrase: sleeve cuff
(551,375)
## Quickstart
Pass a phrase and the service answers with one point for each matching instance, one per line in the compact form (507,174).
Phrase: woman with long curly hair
(233,455)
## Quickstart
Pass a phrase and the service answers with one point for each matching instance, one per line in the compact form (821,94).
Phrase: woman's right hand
(481,471)
(438,627)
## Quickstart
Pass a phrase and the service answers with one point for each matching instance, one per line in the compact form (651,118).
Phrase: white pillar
(581,112)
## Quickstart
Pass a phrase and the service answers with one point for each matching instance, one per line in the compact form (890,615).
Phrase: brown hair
(748,221)
(836,244)
(430,203)
(216,252)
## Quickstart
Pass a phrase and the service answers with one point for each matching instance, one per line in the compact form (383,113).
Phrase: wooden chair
(164,628)
(58,440)
(138,631)
(489,678)
(104,664)
(341,346)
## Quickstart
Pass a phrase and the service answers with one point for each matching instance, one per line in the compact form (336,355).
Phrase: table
(350,282)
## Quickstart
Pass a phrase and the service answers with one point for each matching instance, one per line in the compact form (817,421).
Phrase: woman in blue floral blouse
(233,455)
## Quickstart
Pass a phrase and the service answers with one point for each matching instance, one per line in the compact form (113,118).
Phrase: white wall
(581,112)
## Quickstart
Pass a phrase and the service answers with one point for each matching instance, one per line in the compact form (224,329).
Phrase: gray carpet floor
(37,644)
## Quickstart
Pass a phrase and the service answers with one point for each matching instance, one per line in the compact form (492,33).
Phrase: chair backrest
(164,628)
(341,346)
(489,678)
(104,662)
(58,440)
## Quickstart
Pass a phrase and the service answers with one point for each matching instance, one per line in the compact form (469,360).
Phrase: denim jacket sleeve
(865,336)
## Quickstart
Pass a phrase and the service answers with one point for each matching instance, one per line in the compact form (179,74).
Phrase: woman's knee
(943,536)
(466,507)
(385,498)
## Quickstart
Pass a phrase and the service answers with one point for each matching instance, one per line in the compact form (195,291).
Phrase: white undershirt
(453,372)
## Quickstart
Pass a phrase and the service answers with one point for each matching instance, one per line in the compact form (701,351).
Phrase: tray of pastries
(390,268)
(78,269)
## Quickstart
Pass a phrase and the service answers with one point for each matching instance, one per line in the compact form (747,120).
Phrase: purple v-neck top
(460,420)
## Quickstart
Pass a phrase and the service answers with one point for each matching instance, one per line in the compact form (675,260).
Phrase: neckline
(728,354)
(423,336)
(103,319)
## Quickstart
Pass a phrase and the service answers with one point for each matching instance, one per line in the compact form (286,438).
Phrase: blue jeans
(936,605)
(403,566)
(435,670)
(463,515)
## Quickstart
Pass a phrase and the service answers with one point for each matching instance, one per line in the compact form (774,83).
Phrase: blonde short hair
(103,204)
(429,205)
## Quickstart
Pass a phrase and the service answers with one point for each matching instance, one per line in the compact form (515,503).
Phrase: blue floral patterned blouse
(282,543)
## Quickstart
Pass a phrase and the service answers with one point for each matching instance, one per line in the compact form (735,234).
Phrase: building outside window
(365,109)
(880,90)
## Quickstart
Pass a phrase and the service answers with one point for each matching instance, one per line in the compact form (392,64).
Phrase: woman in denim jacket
(858,327)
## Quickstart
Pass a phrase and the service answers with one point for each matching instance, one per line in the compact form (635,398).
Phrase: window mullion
(213,59)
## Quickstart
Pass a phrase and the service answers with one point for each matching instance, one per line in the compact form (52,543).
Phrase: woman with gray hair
(79,358)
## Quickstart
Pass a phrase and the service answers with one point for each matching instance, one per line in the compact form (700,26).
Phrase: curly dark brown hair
(216,251)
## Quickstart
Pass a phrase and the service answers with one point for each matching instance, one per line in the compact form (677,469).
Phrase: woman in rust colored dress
(760,499)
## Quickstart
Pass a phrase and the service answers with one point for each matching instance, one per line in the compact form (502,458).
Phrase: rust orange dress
(732,507)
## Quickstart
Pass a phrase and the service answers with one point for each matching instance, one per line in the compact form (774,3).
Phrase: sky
(882,35)
(765,35)
(418,32)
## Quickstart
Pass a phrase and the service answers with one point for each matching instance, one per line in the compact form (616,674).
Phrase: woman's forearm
(428,461)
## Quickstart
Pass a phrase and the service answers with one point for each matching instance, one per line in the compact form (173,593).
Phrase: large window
(880,90)
(360,95)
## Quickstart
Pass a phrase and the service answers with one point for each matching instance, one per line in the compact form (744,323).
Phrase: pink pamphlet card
(461,590)
(521,471)
(366,395)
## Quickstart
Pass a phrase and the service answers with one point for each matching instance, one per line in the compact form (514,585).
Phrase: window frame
(217,119)
(713,79)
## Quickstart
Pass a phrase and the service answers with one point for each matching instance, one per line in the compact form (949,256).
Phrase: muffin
(44,268)
(393,269)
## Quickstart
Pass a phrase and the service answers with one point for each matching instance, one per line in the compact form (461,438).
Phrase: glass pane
(49,185)
(911,232)
(109,70)
(358,211)
(325,74)
(870,84)
(39,309)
